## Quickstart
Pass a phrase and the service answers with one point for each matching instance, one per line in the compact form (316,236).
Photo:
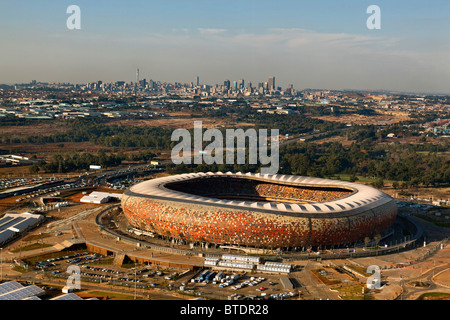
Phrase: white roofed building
(100,197)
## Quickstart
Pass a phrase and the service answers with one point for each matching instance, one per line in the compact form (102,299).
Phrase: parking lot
(238,285)
(223,284)
(99,269)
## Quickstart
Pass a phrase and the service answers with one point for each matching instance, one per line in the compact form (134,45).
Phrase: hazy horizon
(308,44)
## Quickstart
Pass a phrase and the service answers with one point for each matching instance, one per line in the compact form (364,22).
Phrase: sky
(320,44)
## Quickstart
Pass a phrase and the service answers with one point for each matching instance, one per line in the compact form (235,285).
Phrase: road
(409,291)
(311,287)
(310,136)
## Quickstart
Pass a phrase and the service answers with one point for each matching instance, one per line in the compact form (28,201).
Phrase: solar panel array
(32,298)
(68,296)
(22,293)
(13,290)
(5,219)
(6,235)
(9,286)
(11,224)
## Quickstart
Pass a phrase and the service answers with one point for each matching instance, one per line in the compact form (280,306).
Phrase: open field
(387,117)
(435,296)
(429,193)
(443,278)
(422,192)
(176,120)
(51,147)
(43,129)
(179,122)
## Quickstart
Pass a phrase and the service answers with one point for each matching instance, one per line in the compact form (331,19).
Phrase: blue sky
(311,44)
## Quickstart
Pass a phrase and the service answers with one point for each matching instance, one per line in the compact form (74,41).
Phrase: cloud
(210,31)
(306,58)
(297,38)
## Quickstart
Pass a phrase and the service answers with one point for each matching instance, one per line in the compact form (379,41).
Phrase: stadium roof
(361,199)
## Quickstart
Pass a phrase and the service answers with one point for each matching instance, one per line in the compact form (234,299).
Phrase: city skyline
(322,45)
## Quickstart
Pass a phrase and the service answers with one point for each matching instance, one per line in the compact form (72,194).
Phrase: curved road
(409,291)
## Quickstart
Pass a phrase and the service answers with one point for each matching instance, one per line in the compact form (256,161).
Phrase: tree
(34,168)
(377,238)
(379,183)
(366,241)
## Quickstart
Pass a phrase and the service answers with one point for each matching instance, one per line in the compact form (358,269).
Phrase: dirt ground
(422,193)
(443,278)
(178,122)
(389,117)
(43,129)
(28,149)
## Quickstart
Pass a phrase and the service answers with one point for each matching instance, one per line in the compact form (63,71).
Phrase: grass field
(354,292)
(109,295)
(434,296)
(33,247)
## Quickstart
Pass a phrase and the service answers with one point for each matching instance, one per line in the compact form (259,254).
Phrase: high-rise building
(137,75)
(226,84)
(241,84)
(271,84)
(198,81)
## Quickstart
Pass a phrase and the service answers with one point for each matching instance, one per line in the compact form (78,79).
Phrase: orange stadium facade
(264,211)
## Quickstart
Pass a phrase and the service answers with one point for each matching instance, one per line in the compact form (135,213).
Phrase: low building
(16,160)
(101,197)
(12,225)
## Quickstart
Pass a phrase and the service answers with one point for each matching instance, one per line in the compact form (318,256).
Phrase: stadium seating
(253,190)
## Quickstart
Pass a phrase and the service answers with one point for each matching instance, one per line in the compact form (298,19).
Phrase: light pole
(135,271)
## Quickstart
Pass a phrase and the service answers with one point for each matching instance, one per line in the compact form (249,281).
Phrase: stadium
(262,211)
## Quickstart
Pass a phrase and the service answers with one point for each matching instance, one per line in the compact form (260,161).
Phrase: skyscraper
(241,84)
(137,75)
(227,84)
(271,84)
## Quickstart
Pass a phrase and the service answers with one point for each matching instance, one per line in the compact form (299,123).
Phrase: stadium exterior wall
(152,207)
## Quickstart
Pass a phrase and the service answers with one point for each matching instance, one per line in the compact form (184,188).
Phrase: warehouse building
(12,225)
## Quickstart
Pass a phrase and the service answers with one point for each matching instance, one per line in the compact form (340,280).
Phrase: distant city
(42,100)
